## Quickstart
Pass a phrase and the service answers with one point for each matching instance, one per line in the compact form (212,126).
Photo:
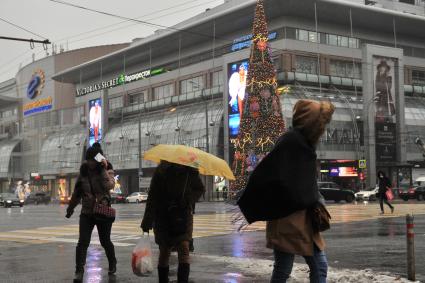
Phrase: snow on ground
(300,272)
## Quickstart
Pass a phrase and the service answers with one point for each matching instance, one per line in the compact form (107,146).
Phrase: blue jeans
(317,263)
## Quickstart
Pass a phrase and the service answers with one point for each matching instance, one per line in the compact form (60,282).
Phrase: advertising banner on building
(385,142)
(384,85)
(238,73)
(95,120)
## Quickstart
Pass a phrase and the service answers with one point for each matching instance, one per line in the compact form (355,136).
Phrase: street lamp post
(139,151)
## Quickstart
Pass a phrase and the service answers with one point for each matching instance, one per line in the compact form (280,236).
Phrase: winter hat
(311,118)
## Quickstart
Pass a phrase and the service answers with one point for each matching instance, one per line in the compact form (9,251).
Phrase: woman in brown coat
(172,195)
(293,234)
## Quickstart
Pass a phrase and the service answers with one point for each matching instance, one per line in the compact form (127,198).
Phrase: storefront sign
(36,84)
(38,106)
(246,41)
(341,136)
(120,80)
(385,142)
(144,182)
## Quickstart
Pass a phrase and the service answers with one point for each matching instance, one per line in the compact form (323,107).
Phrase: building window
(163,91)
(418,77)
(139,97)
(305,35)
(353,43)
(342,41)
(191,85)
(345,69)
(115,103)
(217,79)
(306,65)
(412,2)
(277,63)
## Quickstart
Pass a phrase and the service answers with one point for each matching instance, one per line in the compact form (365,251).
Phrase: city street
(37,244)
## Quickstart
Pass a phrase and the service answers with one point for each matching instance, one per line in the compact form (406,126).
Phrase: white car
(137,197)
(369,195)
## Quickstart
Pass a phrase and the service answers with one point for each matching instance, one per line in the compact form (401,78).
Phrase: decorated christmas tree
(261,119)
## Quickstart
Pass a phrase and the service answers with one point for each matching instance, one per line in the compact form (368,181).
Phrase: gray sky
(76,28)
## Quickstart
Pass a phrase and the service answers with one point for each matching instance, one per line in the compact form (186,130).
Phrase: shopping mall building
(173,87)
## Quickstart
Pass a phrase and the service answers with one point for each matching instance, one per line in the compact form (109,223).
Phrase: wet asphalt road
(378,244)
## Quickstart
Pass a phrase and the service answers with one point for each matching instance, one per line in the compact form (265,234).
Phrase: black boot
(163,274)
(112,267)
(80,262)
(183,273)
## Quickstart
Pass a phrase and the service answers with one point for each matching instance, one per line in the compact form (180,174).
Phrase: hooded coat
(171,182)
(283,188)
(102,181)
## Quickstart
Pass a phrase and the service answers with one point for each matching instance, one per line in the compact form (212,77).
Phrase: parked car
(369,195)
(137,197)
(37,198)
(407,194)
(9,200)
(420,193)
(331,191)
(117,198)
(64,199)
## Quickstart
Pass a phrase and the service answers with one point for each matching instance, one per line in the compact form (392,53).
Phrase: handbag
(389,194)
(320,218)
(102,212)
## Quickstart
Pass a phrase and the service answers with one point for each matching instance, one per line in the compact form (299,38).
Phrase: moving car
(369,195)
(9,200)
(407,194)
(117,198)
(37,198)
(137,197)
(64,199)
(331,191)
(420,193)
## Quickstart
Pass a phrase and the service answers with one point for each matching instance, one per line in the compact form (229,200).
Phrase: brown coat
(102,182)
(168,183)
(293,234)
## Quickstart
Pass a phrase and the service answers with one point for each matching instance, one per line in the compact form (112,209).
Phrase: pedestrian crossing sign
(362,164)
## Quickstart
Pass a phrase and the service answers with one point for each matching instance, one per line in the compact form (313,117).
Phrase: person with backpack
(174,189)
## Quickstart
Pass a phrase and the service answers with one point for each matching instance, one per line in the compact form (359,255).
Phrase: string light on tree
(262,120)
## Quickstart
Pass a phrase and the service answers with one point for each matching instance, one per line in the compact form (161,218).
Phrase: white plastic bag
(141,258)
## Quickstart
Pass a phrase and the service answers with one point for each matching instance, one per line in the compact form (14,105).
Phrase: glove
(69,213)
(145,228)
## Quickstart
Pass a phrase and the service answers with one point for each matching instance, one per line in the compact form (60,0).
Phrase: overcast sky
(76,28)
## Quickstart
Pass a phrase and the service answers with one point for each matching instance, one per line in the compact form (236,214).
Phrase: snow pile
(300,272)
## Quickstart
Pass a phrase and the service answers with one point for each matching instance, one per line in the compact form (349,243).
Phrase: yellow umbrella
(206,163)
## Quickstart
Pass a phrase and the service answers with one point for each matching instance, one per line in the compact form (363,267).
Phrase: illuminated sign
(343,172)
(238,73)
(36,84)
(120,80)
(95,121)
(38,106)
(246,41)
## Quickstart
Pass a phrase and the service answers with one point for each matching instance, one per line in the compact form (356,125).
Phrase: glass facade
(115,103)
(185,125)
(62,152)
(191,85)
(345,69)
(306,64)
(6,149)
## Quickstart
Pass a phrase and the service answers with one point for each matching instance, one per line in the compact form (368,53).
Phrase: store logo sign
(120,80)
(36,84)
(246,41)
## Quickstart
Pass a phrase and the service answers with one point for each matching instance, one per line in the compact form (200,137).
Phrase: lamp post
(139,147)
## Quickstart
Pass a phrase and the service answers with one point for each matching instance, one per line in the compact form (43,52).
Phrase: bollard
(410,234)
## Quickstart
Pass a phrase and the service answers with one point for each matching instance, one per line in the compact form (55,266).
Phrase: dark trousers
(182,252)
(382,199)
(87,224)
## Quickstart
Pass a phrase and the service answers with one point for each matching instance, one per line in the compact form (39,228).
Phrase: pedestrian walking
(173,192)
(287,177)
(384,184)
(92,188)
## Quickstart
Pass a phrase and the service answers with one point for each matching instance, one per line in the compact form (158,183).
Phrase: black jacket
(384,183)
(285,181)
